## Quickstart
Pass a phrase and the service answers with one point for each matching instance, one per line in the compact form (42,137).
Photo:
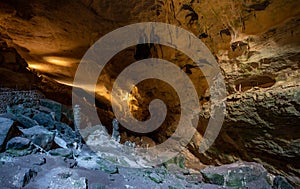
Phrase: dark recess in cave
(262,81)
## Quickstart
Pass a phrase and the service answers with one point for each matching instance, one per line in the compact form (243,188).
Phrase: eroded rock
(39,136)
(237,175)
(54,106)
(61,152)
(8,130)
(19,146)
(44,119)
(261,125)
(26,121)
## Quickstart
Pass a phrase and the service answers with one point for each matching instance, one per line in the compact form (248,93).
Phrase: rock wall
(256,43)
(261,125)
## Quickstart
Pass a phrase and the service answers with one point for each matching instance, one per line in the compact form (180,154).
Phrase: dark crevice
(262,81)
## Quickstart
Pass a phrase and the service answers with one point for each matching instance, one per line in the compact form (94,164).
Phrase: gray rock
(97,186)
(178,160)
(96,163)
(260,183)
(8,130)
(60,142)
(39,136)
(281,183)
(61,152)
(18,143)
(67,183)
(54,106)
(115,133)
(18,172)
(45,120)
(56,172)
(237,175)
(106,166)
(23,177)
(26,121)
(44,109)
(19,146)
(262,129)
(9,116)
(156,178)
(65,131)
(60,178)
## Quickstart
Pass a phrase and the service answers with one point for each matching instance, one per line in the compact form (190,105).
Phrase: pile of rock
(36,126)
(38,146)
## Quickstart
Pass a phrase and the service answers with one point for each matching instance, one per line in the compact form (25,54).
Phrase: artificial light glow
(60,61)
(35,66)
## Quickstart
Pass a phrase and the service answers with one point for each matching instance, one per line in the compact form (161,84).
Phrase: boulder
(23,177)
(54,106)
(45,120)
(26,122)
(19,146)
(60,142)
(18,143)
(237,175)
(8,130)
(65,131)
(39,136)
(61,152)
(9,115)
(96,163)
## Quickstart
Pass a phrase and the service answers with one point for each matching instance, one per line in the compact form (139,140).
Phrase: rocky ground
(41,149)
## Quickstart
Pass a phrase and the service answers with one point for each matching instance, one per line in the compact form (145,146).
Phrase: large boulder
(8,130)
(39,136)
(44,119)
(19,146)
(237,175)
(26,122)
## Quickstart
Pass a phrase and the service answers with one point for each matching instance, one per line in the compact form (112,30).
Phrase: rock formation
(43,155)
(255,42)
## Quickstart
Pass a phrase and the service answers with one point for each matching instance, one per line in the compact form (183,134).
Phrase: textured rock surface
(237,175)
(7,131)
(261,125)
(42,171)
(19,146)
(256,44)
(39,136)
(44,119)
(37,162)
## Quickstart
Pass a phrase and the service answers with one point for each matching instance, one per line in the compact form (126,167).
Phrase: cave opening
(144,92)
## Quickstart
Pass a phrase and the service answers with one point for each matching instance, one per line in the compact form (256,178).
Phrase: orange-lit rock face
(239,33)
(256,43)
